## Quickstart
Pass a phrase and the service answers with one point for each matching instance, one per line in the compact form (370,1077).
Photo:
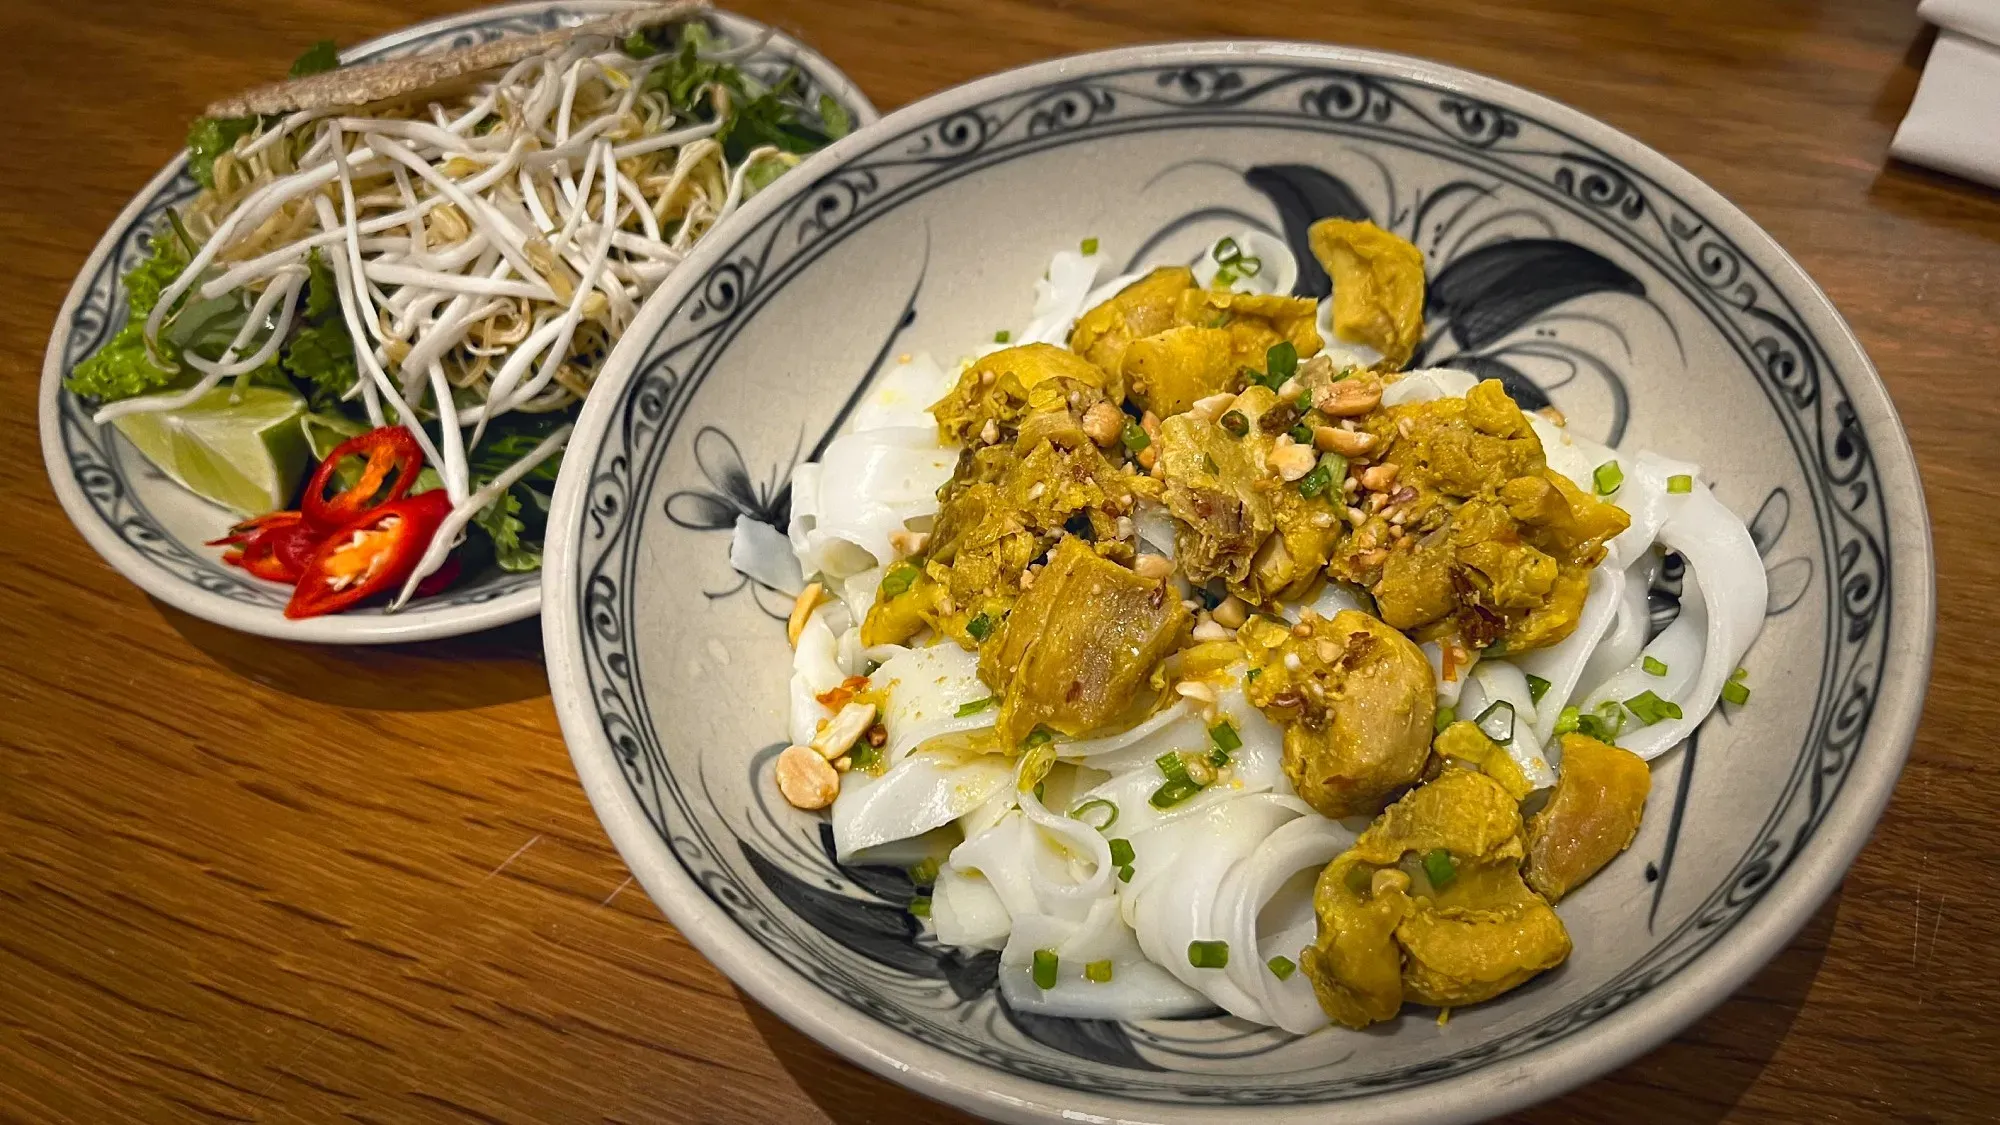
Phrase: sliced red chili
(393,459)
(370,556)
(275,546)
(441,579)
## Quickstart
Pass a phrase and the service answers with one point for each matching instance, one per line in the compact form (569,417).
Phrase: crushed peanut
(1289,459)
(1196,689)
(1349,398)
(1155,567)
(840,735)
(1213,407)
(989,434)
(806,780)
(802,609)
(909,542)
(1347,443)
(1231,612)
(1379,478)
(1102,424)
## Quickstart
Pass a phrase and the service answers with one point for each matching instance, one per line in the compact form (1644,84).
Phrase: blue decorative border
(1788,362)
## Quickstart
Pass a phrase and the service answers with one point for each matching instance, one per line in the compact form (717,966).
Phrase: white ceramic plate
(1563,256)
(152,530)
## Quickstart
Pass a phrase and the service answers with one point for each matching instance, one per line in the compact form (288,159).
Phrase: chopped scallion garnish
(1537,688)
(1121,852)
(1249,266)
(925,873)
(1173,767)
(1234,422)
(1650,708)
(1282,967)
(1090,246)
(1497,722)
(1208,954)
(897,580)
(1607,477)
(1737,692)
(1225,736)
(974,707)
(1440,868)
(1604,723)
(1680,482)
(920,906)
(1252,674)
(1331,467)
(1302,434)
(1096,812)
(1446,716)
(864,756)
(1568,720)
(1125,873)
(980,627)
(1046,964)
(1209,464)
(1226,251)
(1002,336)
(1098,972)
(1134,437)
(1172,793)
(1653,665)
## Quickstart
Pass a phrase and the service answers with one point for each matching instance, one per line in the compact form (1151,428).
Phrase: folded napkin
(1954,123)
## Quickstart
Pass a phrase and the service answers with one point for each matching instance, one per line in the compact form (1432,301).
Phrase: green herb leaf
(1280,363)
(318,59)
(320,354)
(834,117)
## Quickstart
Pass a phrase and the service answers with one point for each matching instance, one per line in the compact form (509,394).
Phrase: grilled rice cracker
(369,83)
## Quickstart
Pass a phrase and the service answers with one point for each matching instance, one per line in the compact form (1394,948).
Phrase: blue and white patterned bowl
(151,529)
(1564,257)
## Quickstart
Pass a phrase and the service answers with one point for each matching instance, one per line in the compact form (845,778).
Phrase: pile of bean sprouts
(488,248)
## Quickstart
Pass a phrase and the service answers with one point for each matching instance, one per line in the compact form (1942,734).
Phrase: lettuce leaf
(318,59)
(320,356)
(210,137)
(124,367)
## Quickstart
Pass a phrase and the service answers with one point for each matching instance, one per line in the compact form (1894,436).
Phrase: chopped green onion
(1445,717)
(1225,736)
(1737,692)
(1607,477)
(897,580)
(1604,723)
(1226,251)
(1208,954)
(1092,806)
(1039,787)
(1303,434)
(1235,422)
(1046,963)
(1497,722)
(1002,336)
(1304,402)
(1037,737)
(1036,762)
(1537,688)
(1282,967)
(1121,852)
(1172,793)
(864,756)
(1173,767)
(974,707)
(1134,437)
(1125,873)
(980,627)
(1654,666)
(1226,275)
(1098,972)
(1217,757)
(1680,482)
(1090,246)
(920,906)
(1249,266)
(1331,467)
(1209,464)
(1568,720)
(1651,708)
(925,873)
(1252,674)
(1440,868)
(1740,673)
(1280,362)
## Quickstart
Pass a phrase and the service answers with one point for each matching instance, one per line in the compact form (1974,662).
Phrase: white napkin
(1954,123)
(1978,18)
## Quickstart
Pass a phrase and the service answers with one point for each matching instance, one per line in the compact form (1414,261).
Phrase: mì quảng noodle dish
(1194,656)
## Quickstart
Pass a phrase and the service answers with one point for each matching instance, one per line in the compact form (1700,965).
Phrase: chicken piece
(1141,309)
(1592,816)
(1496,545)
(1255,322)
(1212,479)
(1008,385)
(1080,645)
(1356,700)
(1168,371)
(1433,886)
(1464,742)
(1378,287)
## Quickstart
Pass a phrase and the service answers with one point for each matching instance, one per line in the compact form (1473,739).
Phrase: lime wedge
(243,450)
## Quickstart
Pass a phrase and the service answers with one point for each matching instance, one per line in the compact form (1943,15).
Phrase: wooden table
(242,880)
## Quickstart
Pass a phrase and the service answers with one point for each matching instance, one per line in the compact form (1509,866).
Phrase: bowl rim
(1538,1074)
(53,399)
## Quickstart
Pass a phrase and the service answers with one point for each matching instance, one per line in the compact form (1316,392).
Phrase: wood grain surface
(247,881)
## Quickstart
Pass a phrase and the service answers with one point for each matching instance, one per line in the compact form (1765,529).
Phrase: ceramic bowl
(1565,257)
(152,530)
